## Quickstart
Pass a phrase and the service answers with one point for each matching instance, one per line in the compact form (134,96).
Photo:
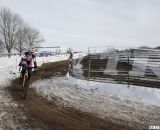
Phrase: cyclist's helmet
(31,50)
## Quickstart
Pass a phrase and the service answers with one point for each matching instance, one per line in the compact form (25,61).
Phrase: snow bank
(103,99)
(8,69)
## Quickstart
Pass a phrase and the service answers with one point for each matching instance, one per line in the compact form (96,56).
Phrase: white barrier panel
(112,65)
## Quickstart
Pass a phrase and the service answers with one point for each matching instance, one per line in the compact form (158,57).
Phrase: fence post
(128,70)
(89,68)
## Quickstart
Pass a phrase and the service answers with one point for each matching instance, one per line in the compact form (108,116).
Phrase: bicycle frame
(24,83)
(25,77)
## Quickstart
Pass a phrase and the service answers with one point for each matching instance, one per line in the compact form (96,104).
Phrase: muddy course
(48,116)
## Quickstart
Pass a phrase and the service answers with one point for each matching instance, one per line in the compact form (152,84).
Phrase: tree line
(16,34)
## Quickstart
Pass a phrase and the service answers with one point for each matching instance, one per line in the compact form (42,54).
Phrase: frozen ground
(133,105)
(7,112)
(11,115)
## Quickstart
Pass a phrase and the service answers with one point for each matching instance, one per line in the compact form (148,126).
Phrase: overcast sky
(83,23)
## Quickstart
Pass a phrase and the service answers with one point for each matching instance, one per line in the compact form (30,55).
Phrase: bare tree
(14,33)
(9,28)
(21,43)
(34,38)
(27,37)
(1,47)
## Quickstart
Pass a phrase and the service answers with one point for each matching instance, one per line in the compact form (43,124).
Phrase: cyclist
(27,62)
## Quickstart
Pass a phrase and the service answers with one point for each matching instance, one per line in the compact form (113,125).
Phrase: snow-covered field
(105,100)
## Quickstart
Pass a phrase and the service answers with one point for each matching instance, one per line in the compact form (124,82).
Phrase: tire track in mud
(48,116)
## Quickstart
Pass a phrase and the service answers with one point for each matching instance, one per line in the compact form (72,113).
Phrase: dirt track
(48,116)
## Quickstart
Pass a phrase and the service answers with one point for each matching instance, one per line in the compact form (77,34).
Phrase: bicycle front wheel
(25,86)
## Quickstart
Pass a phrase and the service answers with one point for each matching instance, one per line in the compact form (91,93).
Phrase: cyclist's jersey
(30,59)
(23,62)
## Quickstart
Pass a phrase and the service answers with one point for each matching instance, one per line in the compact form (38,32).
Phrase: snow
(8,67)
(145,95)
(102,99)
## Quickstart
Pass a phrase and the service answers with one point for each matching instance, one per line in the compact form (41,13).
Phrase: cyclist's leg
(29,73)
(22,73)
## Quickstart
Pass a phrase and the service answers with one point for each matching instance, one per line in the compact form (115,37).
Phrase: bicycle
(24,81)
